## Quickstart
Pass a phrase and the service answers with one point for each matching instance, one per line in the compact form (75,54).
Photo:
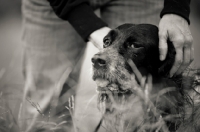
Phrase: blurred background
(11,79)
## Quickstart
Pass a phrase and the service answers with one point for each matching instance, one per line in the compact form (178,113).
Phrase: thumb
(97,36)
(163,47)
(98,45)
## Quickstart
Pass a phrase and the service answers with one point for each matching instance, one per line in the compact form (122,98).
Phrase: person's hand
(97,37)
(175,28)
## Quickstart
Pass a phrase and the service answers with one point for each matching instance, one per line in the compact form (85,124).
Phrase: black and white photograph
(99,65)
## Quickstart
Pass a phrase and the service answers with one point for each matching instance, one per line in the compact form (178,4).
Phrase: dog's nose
(98,61)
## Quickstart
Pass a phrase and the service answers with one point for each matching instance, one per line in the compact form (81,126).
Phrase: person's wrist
(173,17)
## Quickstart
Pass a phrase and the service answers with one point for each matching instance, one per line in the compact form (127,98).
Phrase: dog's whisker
(135,70)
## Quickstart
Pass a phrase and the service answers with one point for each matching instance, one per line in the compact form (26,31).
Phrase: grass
(52,122)
(152,118)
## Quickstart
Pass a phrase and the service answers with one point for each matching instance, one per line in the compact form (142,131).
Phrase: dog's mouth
(105,85)
(114,77)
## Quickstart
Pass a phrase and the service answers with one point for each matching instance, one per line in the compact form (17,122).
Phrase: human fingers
(192,54)
(163,47)
(178,61)
(186,60)
(97,37)
(187,52)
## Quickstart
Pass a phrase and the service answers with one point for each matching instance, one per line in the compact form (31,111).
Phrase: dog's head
(115,77)
(136,42)
(113,74)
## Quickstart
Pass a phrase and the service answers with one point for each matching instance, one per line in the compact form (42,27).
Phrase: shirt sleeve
(79,14)
(179,7)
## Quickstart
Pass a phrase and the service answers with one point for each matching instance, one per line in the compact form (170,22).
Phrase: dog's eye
(107,42)
(130,45)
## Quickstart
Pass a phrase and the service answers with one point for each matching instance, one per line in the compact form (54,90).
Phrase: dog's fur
(129,104)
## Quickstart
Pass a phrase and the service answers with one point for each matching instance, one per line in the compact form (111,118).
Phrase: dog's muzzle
(99,61)
(109,72)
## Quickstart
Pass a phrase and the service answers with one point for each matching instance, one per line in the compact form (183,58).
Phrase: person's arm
(178,7)
(174,25)
(79,14)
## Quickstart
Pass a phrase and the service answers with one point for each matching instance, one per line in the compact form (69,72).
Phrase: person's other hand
(97,37)
(176,29)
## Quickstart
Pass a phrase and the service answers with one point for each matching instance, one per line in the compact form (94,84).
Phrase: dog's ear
(126,26)
(166,65)
(154,65)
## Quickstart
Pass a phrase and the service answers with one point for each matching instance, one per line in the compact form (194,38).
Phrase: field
(12,83)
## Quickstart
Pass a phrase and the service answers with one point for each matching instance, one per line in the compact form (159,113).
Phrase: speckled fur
(124,110)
